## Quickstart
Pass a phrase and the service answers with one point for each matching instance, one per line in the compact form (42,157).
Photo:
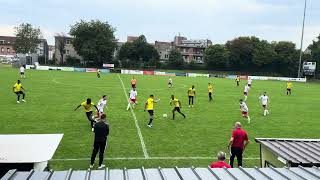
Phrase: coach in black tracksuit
(101,131)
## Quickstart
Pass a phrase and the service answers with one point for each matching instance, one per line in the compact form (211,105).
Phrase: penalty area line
(143,145)
(149,158)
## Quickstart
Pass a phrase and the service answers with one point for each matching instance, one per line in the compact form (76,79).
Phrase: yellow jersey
(191,92)
(289,85)
(17,87)
(150,102)
(175,102)
(133,81)
(87,107)
(210,88)
(238,79)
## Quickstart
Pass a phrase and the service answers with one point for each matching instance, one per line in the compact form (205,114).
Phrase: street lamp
(301,44)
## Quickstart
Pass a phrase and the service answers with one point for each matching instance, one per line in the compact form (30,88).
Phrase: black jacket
(101,131)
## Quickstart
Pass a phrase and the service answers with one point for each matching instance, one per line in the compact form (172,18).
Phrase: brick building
(163,49)
(191,50)
(7,50)
(6,46)
(64,43)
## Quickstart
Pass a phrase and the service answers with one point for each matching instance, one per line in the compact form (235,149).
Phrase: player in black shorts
(177,105)
(149,107)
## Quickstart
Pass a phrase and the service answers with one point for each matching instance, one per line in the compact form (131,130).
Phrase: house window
(8,50)
(67,52)
(2,49)
(68,41)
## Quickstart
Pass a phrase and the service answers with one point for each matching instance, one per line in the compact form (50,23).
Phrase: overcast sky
(218,20)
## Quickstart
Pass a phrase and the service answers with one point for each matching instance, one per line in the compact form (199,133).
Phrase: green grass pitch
(51,97)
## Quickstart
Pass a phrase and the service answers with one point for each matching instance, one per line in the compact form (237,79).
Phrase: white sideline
(143,145)
(149,158)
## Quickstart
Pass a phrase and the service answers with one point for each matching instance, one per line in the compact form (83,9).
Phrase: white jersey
(264,99)
(170,81)
(250,81)
(22,69)
(244,107)
(133,94)
(246,88)
(102,104)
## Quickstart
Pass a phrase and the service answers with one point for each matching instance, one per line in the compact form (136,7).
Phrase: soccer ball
(164,115)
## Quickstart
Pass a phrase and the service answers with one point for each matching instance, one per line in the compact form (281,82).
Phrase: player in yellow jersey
(149,106)
(177,105)
(191,95)
(17,89)
(210,91)
(238,80)
(98,73)
(289,87)
(87,105)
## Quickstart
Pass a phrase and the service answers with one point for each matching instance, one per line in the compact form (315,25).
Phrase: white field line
(150,158)
(143,145)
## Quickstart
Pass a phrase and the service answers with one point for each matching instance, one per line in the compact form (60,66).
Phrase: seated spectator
(220,163)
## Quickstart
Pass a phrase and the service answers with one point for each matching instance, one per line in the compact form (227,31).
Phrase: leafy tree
(28,38)
(263,54)
(94,41)
(216,57)
(175,59)
(72,61)
(138,54)
(315,53)
(241,52)
(287,58)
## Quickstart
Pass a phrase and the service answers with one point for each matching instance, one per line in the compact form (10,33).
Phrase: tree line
(95,41)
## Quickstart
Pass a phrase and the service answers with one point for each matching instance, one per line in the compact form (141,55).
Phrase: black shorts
(176,109)
(169,83)
(150,112)
(264,106)
(133,85)
(22,73)
(210,93)
(191,97)
(19,92)
(288,89)
(249,85)
(89,115)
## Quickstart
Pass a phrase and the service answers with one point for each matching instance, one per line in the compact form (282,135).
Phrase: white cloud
(288,33)
(6,30)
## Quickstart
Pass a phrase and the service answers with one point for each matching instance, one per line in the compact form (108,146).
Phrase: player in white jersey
(102,103)
(244,110)
(133,98)
(249,82)
(170,83)
(22,71)
(246,91)
(265,102)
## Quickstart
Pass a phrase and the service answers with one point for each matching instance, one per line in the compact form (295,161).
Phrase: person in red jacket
(238,142)
(221,161)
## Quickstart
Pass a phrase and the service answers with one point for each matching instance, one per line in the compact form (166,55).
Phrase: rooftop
(305,152)
(298,173)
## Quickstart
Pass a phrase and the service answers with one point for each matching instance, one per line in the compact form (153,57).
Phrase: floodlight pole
(302,35)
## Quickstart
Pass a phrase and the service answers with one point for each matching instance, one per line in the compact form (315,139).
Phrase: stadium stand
(297,173)
(289,152)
